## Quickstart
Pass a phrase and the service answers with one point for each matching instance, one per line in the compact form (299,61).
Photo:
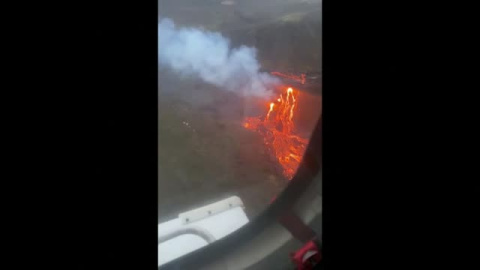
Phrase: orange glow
(300,78)
(291,111)
(271,109)
(278,132)
(289,92)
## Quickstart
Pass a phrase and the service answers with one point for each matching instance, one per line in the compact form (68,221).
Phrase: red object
(307,257)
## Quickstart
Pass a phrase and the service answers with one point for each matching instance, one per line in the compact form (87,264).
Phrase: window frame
(308,170)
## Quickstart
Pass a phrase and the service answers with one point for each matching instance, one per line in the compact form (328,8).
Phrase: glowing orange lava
(270,111)
(300,78)
(277,130)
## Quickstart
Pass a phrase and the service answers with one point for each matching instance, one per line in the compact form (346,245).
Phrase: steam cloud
(191,51)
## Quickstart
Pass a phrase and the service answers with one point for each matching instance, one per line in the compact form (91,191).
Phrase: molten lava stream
(300,78)
(277,130)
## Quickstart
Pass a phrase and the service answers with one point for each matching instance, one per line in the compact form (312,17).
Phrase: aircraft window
(240,92)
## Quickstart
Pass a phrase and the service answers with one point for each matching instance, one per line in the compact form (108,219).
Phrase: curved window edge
(308,170)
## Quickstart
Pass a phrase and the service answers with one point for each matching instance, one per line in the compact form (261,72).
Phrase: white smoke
(208,55)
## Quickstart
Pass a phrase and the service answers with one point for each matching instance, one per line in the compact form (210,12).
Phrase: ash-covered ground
(205,154)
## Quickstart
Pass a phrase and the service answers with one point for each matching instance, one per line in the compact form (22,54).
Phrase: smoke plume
(207,55)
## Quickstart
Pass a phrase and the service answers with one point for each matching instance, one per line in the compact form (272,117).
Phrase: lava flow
(277,129)
(300,78)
